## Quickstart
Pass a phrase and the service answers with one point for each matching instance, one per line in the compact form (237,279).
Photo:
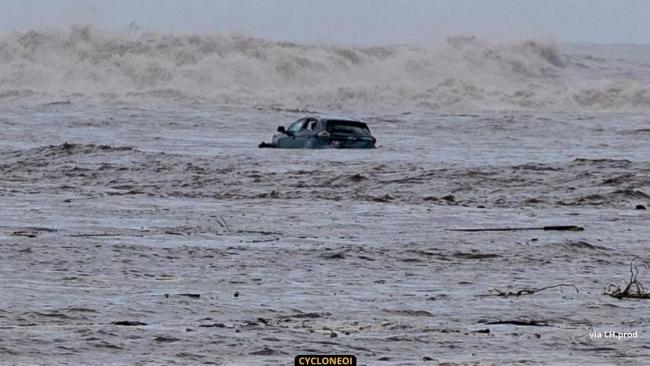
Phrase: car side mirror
(281,129)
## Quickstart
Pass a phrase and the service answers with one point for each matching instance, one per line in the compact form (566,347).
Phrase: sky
(364,22)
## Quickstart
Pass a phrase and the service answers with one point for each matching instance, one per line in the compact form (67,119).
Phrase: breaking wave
(83,63)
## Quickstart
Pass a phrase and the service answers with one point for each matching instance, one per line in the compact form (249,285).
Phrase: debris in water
(482,331)
(634,289)
(166,339)
(449,198)
(194,296)
(26,234)
(526,323)
(357,178)
(526,291)
(545,228)
(129,323)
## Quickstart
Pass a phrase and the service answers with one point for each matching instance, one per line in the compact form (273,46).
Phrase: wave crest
(82,62)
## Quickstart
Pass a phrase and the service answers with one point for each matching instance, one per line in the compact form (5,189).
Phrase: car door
(288,139)
(304,133)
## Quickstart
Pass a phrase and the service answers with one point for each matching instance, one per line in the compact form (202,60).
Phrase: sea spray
(83,63)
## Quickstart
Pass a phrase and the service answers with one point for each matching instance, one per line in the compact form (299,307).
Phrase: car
(319,133)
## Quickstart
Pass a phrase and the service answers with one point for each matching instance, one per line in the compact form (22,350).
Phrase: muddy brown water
(159,236)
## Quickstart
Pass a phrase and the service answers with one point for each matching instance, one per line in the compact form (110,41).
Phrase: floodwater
(138,235)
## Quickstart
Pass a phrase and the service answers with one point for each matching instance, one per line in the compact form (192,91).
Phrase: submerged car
(318,133)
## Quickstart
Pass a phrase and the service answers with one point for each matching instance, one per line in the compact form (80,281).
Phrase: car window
(307,125)
(348,128)
(312,124)
(296,126)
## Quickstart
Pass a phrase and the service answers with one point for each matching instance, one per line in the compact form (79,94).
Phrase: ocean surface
(141,225)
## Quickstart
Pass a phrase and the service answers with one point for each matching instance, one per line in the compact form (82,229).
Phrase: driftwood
(634,289)
(527,323)
(223,223)
(545,228)
(92,235)
(527,291)
(129,323)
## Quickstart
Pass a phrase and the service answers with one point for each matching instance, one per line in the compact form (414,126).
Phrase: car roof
(341,120)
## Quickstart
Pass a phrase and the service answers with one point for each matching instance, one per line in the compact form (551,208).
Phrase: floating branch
(527,291)
(528,323)
(634,289)
(94,234)
(546,228)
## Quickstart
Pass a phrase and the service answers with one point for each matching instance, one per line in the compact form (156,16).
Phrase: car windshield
(348,128)
(296,126)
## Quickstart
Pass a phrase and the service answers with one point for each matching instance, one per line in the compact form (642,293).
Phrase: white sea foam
(82,63)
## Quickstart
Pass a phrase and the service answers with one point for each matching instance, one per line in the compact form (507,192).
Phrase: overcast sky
(352,21)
